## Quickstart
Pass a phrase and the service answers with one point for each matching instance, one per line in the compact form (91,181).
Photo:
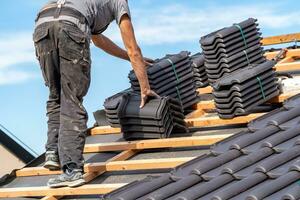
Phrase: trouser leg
(49,61)
(53,105)
(75,81)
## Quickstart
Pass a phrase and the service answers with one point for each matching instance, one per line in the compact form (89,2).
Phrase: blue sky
(162,27)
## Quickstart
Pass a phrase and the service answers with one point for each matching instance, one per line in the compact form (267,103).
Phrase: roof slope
(39,177)
(18,150)
(262,162)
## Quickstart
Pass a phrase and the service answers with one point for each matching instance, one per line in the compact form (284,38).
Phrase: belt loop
(60,3)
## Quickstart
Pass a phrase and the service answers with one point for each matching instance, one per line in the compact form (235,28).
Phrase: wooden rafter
(155,143)
(92,189)
(216,121)
(281,39)
(144,164)
(104,130)
(289,53)
(89,176)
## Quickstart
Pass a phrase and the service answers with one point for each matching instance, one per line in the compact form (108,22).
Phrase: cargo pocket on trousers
(73,44)
(41,32)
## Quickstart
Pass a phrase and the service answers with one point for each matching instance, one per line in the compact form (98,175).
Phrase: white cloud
(15,49)
(14,76)
(180,23)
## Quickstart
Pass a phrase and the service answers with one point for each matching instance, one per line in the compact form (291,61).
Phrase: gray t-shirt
(99,13)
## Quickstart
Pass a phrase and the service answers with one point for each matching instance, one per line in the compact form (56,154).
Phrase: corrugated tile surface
(159,118)
(238,93)
(262,162)
(232,48)
(171,76)
(200,74)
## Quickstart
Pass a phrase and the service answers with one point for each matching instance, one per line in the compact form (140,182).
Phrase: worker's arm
(111,48)
(136,58)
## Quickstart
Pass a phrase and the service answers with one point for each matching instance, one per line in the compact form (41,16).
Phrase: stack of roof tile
(171,76)
(232,48)
(238,93)
(200,76)
(261,163)
(111,106)
(157,119)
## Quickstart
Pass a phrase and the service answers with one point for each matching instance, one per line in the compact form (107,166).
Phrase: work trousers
(63,52)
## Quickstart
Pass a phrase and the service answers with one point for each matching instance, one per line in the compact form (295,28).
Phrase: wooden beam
(203,105)
(216,121)
(195,114)
(289,53)
(206,90)
(280,39)
(93,189)
(288,66)
(120,157)
(286,60)
(282,97)
(103,130)
(145,164)
(155,143)
(92,175)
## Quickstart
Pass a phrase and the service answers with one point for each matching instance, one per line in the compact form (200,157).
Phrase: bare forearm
(110,47)
(134,53)
(139,68)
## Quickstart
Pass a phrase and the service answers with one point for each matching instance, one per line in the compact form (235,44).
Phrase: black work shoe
(52,161)
(70,178)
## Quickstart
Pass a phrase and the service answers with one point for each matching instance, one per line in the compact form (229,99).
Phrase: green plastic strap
(261,87)
(242,33)
(177,79)
(246,54)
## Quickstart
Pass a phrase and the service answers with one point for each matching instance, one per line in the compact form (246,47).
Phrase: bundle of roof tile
(232,48)
(159,118)
(171,76)
(238,93)
(111,106)
(261,163)
(200,76)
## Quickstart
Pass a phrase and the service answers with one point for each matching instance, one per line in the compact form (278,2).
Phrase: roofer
(62,38)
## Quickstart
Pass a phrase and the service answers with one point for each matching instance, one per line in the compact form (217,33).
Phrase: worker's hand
(145,96)
(148,61)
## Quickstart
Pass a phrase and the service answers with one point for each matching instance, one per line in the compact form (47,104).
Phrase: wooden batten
(155,143)
(145,164)
(280,39)
(92,189)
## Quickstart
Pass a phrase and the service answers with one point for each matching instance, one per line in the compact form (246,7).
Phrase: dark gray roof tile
(278,160)
(254,137)
(276,117)
(292,192)
(273,186)
(199,190)
(240,186)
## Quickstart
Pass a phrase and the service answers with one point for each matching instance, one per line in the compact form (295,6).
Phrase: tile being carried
(111,106)
(159,118)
